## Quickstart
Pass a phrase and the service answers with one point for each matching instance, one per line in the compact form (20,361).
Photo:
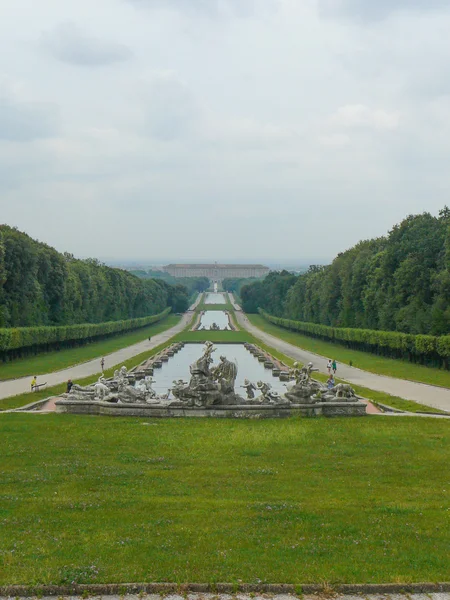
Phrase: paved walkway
(429,395)
(14,387)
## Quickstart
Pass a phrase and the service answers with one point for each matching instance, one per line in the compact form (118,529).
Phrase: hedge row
(25,337)
(380,342)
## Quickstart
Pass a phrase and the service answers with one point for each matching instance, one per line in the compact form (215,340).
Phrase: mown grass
(92,499)
(57,360)
(226,336)
(362,360)
(222,307)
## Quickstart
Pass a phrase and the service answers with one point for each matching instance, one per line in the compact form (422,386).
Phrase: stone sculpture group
(210,386)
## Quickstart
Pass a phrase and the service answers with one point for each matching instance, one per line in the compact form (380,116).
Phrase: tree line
(398,283)
(177,286)
(235,284)
(42,287)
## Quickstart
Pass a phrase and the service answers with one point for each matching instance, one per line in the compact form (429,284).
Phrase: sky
(210,129)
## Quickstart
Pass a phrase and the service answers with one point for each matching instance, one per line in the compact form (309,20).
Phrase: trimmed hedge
(18,338)
(427,349)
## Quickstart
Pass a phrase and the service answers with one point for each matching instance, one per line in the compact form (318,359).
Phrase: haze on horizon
(240,128)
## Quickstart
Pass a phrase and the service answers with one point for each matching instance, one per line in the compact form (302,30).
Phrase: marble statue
(101,389)
(209,386)
(225,373)
(250,388)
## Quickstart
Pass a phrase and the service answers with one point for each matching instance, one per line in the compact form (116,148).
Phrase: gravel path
(14,387)
(429,395)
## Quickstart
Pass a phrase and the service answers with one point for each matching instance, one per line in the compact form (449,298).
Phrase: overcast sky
(237,129)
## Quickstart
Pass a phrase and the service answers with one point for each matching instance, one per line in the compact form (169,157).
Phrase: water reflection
(219,317)
(218,298)
(248,367)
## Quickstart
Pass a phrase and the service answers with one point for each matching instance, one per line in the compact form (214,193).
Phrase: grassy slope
(55,361)
(298,500)
(362,360)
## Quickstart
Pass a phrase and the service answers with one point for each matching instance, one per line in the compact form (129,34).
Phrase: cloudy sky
(221,129)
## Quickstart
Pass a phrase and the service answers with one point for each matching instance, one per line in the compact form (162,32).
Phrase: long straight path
(14,387)
(429,395)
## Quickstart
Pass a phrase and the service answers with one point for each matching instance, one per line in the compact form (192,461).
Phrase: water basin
(215,298)
(248,367)
(219,317)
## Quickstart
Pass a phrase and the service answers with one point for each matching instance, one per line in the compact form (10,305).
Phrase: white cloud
(69,43)
(376,9)
(211,8)
(255,131)
(358,115)
(22,120)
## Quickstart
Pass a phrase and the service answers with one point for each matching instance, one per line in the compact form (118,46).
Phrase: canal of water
(219,317)
(248,367)
(215,298)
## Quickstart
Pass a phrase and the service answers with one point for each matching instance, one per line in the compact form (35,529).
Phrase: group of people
(331,368)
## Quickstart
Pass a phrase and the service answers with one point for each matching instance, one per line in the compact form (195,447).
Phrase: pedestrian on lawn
(69,386)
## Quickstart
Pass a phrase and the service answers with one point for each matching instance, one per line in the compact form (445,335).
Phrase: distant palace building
(216,272)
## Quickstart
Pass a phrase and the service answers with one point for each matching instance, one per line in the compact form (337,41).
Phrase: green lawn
(362,360)
(208,307)
(55,361)
(92,499)
(233,337)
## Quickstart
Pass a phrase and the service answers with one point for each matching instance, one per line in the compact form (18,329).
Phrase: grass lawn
(362,360)
(92,499)
(208,307)
(232,337)
(55,361)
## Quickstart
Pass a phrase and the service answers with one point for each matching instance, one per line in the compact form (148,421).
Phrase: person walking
(33,383)
(334,366)
(102,363)
(69,386)
(329,365)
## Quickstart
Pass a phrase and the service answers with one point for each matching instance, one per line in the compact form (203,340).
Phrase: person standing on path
(329,365)
(102,363)
(334,366)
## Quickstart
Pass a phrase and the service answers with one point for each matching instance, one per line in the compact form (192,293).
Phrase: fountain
(210,392)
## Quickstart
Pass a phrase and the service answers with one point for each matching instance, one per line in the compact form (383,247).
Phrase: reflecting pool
(215,298)
(219,317)
(248,367)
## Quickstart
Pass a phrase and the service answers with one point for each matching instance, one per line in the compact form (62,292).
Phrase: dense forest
(400,282)
(193,285)
(235,284)
(40,286)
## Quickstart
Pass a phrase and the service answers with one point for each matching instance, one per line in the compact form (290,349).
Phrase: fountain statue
(211,389)
(209,386)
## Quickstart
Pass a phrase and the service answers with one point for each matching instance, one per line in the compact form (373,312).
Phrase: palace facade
(216,272)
